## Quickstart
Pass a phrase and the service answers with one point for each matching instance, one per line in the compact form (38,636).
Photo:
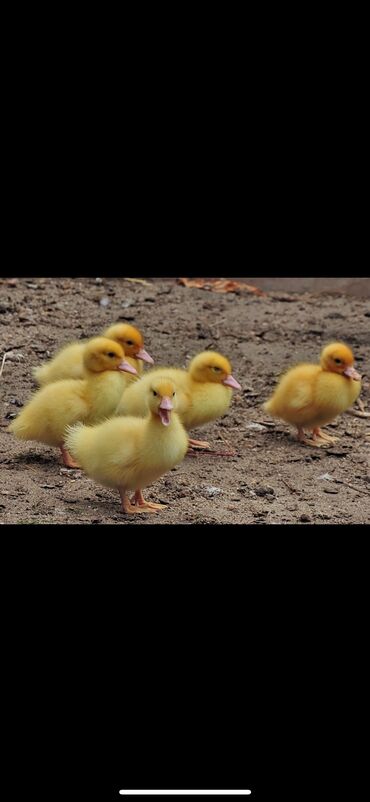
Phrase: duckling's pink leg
(67,459)
(127,506)
(307,441)
(150,506)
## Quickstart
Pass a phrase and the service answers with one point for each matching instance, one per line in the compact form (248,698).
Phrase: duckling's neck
(169,442)
(106,389)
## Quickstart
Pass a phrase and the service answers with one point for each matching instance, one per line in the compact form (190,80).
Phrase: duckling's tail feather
(77,440)
(40,374)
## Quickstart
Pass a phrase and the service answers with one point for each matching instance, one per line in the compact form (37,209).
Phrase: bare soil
(272,479)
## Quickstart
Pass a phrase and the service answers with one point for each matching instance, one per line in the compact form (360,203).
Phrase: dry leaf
(11,282)
(220,285)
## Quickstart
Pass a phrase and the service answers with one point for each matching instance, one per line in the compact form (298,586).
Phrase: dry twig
(2,364)
(347,484)
(292,489)
(138,281)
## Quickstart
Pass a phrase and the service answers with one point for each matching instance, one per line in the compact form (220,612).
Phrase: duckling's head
(338,358)
(102,354)
(131,339)
(209,366)
(162,399)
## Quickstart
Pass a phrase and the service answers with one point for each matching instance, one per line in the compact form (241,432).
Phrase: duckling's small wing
(293,394)
(301,398)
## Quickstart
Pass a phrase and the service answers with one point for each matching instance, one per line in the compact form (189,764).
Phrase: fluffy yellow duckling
(204,391)
(131,453)
(68,362)
(309,396)
(52,408)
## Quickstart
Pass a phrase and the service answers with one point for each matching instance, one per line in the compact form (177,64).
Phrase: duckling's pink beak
(165,409)
(351,373)
(142,354)
(125,366)
(231,382)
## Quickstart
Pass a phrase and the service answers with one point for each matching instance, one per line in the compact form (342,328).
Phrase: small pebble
(264,491)
(213,491)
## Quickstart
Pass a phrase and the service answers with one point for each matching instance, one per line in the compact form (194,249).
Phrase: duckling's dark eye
(216,370)
(154,392)
(338,361)
(129,342)
(111,354)
(173,394)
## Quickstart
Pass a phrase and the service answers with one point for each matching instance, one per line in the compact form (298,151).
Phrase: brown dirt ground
(271,480)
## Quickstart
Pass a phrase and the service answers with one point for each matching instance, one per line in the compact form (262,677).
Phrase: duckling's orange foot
(324,437)
(150,506)
(69,462)
(198,443)
(315,442)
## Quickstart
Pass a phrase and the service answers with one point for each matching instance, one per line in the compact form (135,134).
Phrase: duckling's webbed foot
(68,461)
(150,506)
(204,446)
(324,436)
(315,442)
(198,443)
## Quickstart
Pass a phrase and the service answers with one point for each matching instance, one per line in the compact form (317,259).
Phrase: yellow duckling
(309,396)
(131,453)
(68,362)
(52,408)
(204,391)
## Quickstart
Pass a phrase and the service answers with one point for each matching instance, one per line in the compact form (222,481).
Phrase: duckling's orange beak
(231,382)
(165,409)
(351,373)
(142,354)
(125,366)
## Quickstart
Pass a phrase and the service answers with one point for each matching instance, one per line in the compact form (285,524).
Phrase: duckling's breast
(334,393)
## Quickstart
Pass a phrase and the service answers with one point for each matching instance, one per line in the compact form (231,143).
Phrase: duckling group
(125,428)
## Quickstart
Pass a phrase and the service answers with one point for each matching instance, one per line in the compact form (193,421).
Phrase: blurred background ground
(359,287)
(271,479)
